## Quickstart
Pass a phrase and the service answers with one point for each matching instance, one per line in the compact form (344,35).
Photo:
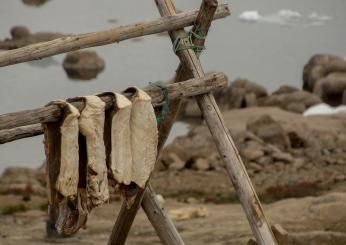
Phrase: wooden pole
(76,42)
(224,142)
(52,113)
(163,226)
(20,133)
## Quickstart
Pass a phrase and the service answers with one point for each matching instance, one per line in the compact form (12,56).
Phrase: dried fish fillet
(91,125)
(62,157)
(121,157)
(67,182)
(144,136)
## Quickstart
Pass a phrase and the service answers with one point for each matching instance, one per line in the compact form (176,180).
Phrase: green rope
(191,35)
(165,107)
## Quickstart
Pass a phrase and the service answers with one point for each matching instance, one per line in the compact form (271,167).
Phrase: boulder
(83,65)
(240,94)
(18,32)
(332,88)
(325,75)
(21,36)
(270,131)
(294,100)
(319,66)
(20,180)
(34,2)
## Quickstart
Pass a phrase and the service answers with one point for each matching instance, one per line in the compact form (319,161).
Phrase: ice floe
(285,17)
(324,109)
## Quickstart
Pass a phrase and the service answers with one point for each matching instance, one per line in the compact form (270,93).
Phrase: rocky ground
(309,220)
(286,154)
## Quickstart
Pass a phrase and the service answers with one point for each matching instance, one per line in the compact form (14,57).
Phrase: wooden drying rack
(190,80)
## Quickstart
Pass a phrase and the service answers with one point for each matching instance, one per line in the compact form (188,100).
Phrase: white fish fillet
(144,137)
(91,124)
(121,157)
(67,182)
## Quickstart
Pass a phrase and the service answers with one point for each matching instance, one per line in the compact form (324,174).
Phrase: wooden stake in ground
(162,224)
(226,147)
(76,42)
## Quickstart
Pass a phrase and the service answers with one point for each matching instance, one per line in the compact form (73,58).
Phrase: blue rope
(165,107)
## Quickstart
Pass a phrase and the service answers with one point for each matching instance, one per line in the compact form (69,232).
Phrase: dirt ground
(313,219)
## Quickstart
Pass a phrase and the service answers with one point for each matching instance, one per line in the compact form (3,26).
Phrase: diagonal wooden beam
(118,34)
(224,142)
(162,224)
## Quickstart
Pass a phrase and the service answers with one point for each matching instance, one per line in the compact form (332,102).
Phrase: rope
(191,35)
(165,107)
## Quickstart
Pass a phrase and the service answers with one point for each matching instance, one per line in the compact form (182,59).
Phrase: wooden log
(76,42)
(224,142)
(52,113)
(20,133)
(163,226)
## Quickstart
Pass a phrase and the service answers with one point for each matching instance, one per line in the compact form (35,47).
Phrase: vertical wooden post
(165,230)
(226,147)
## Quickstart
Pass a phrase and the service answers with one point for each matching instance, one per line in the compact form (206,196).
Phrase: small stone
(191,200)
(282,156)
(188,213)
(160,199)
(251,154)
(175,162)
(298,163)
(265,160)
(201,164)
(254,166)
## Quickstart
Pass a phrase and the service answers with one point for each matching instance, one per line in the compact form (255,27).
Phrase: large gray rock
(325,75)
(83,65)
(21,36)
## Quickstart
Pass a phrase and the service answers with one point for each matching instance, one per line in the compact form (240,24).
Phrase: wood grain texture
(13,125)
(226,147)
(163,226)
(118,34)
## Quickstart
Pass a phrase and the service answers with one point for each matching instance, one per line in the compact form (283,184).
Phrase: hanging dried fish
(144,136)
(67,182)
(61,145)
(91,125)
(121,157)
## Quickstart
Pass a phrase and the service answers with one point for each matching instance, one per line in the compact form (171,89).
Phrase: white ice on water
(285,17)
(324,109)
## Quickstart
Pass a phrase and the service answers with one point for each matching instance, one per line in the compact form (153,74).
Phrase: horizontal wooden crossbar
(118,34)
(26,123)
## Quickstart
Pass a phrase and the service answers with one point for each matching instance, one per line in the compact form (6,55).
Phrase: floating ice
(289,14)
(320,17)
(285,17)
(250,16)
(324,109)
